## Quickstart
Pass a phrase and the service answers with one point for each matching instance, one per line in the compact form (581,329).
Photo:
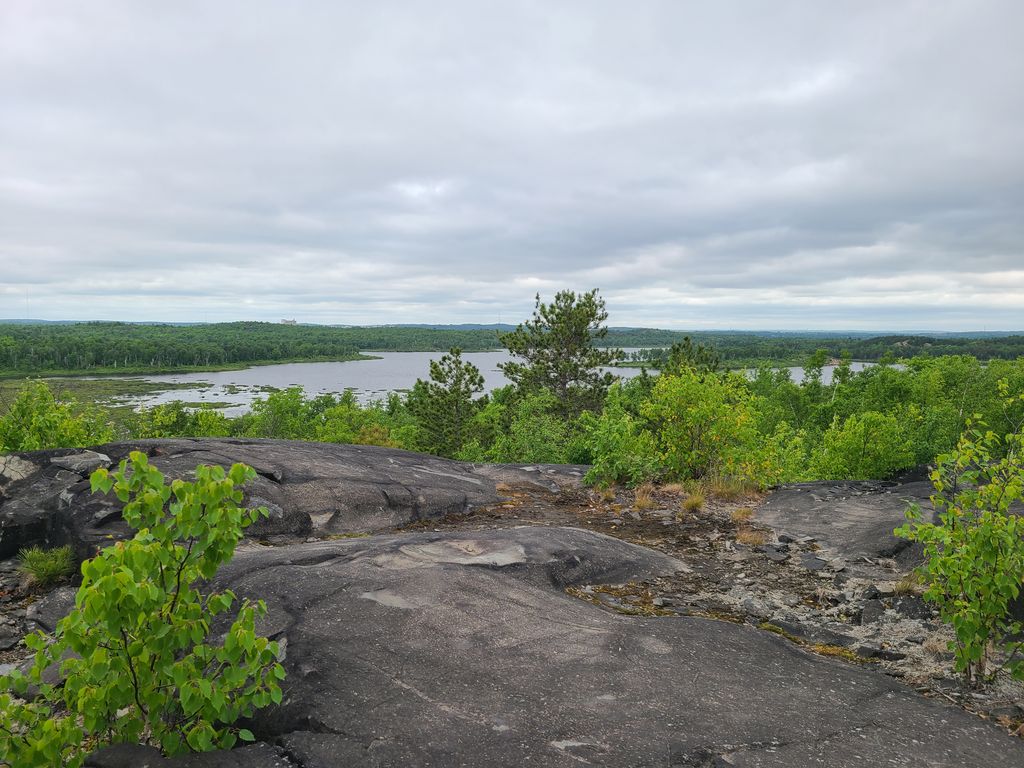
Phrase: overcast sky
(816,165)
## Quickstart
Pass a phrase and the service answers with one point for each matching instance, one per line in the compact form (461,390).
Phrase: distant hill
(618,329)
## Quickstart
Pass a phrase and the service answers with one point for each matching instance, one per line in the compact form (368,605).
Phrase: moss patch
(631,598)
(822,649)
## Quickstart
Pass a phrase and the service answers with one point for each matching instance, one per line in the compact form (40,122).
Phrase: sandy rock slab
(463,648)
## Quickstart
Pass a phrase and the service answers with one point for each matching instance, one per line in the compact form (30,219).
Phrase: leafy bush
(703,423)
(175,419)
(136,653)
(780,457)
(535,433)
(620,450)
(38,420)
(974,563)
(348,422)
(866,445)
(47,566)
(286,415)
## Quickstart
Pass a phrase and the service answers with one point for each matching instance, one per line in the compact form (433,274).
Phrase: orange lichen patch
(822,649)
(718,616)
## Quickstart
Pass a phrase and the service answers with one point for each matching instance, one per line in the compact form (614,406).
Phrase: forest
(28,349)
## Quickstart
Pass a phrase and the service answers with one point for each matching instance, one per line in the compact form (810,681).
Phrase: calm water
(368,379)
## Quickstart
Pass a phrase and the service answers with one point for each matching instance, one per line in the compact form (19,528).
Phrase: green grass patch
(47,567)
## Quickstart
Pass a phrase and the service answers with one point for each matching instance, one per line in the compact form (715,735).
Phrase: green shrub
(620,450)
(38,420)
(780,457)
(176,419)
(974,563)
(535,434)
(703,423)
(137,654)
(47,566)
(348,422)
(286,415)
(865,445)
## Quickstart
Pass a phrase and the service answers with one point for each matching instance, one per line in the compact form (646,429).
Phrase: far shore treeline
(90,348)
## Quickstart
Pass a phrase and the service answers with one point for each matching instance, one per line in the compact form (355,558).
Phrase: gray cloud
(729,165)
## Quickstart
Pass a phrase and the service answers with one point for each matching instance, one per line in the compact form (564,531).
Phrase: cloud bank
(850,165)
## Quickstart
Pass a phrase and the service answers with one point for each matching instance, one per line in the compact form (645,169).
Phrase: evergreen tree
(558,354)
(444,406)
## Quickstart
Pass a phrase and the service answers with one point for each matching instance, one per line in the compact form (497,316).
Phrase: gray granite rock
(464,649)
(310,488)
(83,462)
(852,519)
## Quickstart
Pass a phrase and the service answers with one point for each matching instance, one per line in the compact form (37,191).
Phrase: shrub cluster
(138,656)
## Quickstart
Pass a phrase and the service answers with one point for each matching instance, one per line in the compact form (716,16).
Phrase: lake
(368,379)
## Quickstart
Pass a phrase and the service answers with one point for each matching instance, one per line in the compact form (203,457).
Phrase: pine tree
(558,352)
(444,407)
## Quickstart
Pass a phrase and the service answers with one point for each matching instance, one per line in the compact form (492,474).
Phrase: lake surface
(368,379)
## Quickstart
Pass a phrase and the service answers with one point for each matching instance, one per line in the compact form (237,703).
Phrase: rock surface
(309,488)
(853,520)
(469,639)
(464,649)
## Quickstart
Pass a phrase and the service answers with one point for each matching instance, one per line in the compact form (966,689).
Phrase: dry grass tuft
(741,514)
(694,502)
(909,584)
(937,646)
(676,489)
(751,537)
(731,488)
(606,494)
(644,497)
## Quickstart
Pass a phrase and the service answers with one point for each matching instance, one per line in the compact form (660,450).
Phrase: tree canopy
(558,352)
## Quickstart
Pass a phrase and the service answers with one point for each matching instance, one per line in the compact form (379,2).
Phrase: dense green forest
(748,350)
(28,349)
